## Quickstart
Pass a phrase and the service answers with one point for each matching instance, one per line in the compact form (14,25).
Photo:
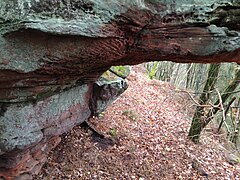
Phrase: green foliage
(190,76)
(116,71)
(101,115)
(130,114)
(113,132)
(108,75)
(153,70)
(122,71)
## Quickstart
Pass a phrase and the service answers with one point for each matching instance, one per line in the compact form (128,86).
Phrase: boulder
(108,87)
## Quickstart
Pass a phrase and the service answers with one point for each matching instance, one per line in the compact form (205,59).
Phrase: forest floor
(145,133)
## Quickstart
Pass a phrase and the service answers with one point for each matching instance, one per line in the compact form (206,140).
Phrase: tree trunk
(235,136)
(198,122)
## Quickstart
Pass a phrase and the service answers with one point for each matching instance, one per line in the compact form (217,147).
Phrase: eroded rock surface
(108,87)
(52,52)
(30,131)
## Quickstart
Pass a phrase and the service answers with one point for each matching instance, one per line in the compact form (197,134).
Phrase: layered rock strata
(30,131)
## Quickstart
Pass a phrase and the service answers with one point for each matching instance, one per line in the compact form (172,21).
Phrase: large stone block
(25,124)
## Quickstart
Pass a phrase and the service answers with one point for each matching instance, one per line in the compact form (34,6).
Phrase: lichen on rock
(108,87)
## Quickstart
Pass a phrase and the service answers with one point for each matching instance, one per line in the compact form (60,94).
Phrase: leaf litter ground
(145,133)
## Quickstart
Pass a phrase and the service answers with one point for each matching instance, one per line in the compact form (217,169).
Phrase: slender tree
(199,122)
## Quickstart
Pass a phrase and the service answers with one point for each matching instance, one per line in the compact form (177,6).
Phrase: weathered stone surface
(108,87)
(30,131)
(25,163)
(25,124)
(105,93)
(47,46)
(51,53)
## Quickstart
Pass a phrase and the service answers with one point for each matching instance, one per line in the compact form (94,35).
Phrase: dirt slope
(145,130)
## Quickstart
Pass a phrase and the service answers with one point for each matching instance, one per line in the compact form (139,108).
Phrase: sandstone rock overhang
(52,52)
(56,43)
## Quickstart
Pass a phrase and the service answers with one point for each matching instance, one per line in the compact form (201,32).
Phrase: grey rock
(105,92)
(25,124)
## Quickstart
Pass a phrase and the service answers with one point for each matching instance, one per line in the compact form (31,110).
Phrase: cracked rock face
(53,52)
